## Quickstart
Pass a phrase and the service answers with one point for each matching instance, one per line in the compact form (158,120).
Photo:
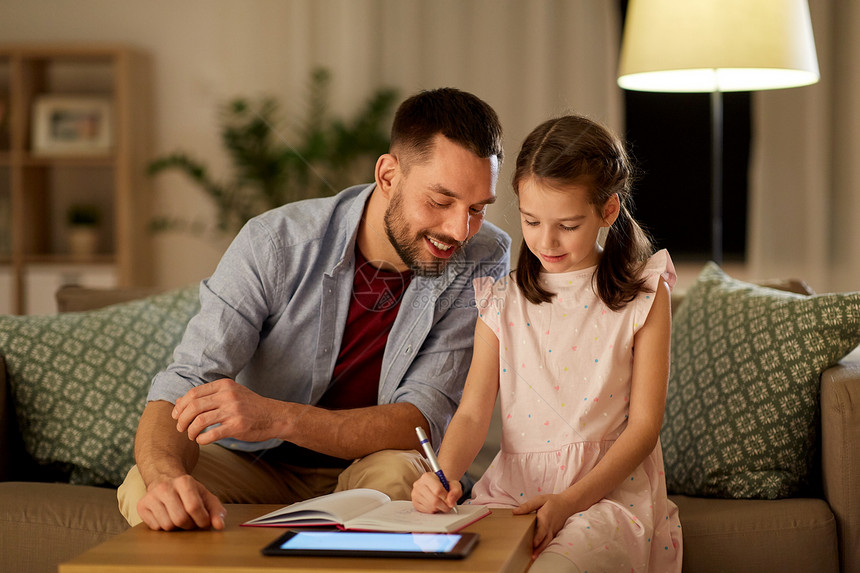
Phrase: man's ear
(387,169)
(611,209)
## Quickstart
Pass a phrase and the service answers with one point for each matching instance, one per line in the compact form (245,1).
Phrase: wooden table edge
(121,553)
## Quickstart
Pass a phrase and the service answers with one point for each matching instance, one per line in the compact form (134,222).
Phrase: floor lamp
(717,46)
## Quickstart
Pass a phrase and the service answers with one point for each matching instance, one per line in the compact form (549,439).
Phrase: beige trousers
(243,477)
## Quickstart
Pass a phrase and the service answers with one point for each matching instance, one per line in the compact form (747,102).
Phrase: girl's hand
(428,495)
(552,511)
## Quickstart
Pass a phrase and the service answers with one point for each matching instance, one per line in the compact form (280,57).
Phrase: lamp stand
(717,176)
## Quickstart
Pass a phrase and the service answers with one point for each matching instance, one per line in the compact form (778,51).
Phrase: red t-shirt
(376,296)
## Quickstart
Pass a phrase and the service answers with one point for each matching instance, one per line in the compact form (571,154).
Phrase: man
(330,330)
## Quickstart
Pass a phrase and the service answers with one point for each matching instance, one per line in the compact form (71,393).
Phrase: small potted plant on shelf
(83,220)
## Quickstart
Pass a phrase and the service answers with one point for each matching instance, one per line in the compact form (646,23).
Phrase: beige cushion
(757,535)
(42,525)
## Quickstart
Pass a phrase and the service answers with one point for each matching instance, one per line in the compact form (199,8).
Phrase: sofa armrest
(840,453)
(7,419)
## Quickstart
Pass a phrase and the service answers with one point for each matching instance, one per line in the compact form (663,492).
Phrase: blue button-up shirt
(273,313)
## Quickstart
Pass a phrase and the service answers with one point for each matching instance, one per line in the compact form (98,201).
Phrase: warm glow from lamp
(717,45)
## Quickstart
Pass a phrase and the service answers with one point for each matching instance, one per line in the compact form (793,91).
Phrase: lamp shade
(717,45)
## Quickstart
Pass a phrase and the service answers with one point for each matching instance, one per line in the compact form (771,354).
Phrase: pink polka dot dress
(564,386)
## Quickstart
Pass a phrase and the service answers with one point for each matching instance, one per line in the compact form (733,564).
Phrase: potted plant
(83,229)
(270,168)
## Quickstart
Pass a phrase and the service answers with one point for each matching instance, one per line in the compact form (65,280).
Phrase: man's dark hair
(460,116)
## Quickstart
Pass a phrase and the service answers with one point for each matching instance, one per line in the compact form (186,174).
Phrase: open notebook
(368,510)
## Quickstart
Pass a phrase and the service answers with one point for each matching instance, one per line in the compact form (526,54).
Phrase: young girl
(576,345)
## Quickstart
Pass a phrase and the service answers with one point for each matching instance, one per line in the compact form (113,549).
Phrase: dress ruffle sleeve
(659,265)
(490,300)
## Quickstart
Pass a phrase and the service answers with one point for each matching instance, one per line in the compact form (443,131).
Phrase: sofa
(48,514)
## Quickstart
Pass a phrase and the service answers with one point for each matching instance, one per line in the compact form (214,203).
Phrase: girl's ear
(611,209)
(387,168)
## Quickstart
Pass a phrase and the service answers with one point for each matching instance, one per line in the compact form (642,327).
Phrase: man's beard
(409,247)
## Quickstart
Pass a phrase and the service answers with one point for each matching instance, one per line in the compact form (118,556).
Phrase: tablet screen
(373,544)
(363,541)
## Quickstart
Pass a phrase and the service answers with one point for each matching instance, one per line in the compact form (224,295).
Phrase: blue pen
(431,457)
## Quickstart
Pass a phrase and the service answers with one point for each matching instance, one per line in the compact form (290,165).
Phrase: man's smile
(439,249)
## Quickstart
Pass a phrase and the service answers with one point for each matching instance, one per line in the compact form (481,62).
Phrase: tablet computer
(331,543)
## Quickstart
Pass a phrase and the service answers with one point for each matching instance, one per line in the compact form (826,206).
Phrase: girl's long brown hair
(576,150)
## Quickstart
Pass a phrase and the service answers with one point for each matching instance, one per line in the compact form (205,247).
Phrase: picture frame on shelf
(72,125)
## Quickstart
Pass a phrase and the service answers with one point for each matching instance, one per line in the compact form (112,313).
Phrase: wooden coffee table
(505,545)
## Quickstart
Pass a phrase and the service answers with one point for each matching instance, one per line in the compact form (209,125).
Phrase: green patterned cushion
(79,380)
(742,409)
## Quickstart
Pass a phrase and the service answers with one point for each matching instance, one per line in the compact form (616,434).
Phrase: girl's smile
(553,258)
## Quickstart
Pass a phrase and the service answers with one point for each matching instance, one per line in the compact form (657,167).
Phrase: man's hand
(241,413)
(180,503)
